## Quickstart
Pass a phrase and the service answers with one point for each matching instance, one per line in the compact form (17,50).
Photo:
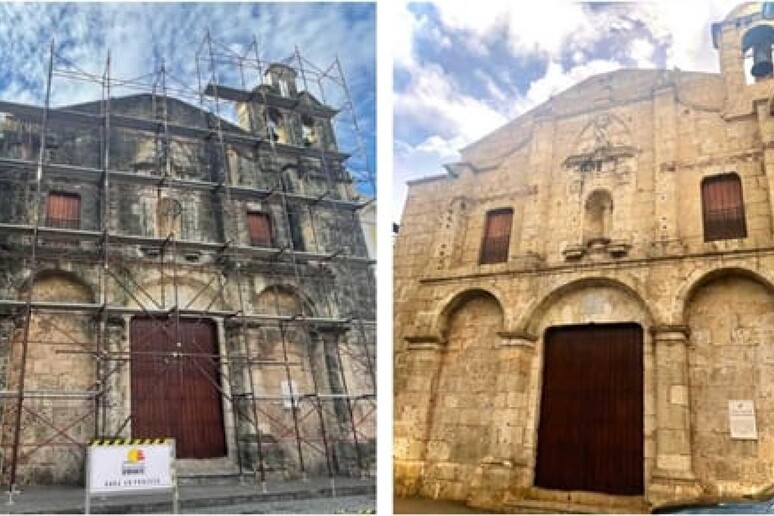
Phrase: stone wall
(146,274)
(643,141)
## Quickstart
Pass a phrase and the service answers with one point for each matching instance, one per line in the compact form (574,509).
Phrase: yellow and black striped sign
(130,442)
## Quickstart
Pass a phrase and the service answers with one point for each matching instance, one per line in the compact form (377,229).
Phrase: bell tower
(744,40)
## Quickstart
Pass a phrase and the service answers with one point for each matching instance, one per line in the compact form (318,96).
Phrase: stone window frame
(267,240)
(728,221)
(495,248)
(54,199)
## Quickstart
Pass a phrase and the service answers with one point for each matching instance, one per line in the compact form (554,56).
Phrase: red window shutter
(259,226)
(497,236)
(723,208)
(63,210)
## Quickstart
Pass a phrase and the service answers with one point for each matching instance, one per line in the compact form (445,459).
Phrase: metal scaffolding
(331,329)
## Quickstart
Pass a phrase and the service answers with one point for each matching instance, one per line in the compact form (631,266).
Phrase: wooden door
(590,436)
(177,395)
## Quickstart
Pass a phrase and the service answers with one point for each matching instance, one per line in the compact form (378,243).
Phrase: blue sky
(141,35)
(464,69)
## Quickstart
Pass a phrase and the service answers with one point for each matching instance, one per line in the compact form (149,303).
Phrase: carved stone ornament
(605,139)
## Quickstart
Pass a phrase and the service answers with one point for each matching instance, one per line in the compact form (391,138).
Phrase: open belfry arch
(187,261)
(580,300)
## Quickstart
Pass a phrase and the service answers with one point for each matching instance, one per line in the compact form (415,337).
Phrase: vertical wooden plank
(63,210)
(178,397)
(259,227)
(497,235)
(723,208)
(590,434)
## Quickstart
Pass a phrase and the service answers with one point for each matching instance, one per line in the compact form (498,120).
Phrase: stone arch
(701,277)
(58,347)
(583,302)
(729,313)
(464,394)
(58,285)
(457,299)
(311,367)
(532,317)
(283,299)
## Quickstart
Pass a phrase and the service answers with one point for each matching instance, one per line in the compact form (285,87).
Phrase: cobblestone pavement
(339,505)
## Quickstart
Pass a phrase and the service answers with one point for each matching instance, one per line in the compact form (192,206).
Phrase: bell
(762,66)
(759,39)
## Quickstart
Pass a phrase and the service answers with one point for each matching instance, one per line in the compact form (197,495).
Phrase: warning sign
(120,466)
(741,419)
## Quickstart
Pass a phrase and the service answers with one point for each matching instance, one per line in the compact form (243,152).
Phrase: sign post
(131,466)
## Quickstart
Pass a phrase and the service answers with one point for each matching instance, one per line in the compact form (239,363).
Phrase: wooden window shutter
(63,210)
(259,226)
(723,208)
(497,236)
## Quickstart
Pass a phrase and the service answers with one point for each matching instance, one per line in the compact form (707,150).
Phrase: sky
(143,36)
(466,68)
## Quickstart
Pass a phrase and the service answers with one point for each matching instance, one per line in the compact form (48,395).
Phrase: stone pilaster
(414,400)
(673,475)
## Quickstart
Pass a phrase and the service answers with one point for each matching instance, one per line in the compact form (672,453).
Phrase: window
(283,88)
(259,226)
(723,208)
(276,126)
(497,236)
(63,210)
(308,131)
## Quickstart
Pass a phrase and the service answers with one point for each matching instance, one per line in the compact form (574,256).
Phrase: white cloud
(685,26)
(434,107)
(422,160)
(403,38)
(641,50)
(557,79)
(531,27)
(140,35)
(432,99)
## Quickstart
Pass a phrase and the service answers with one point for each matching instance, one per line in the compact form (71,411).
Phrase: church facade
(584,304)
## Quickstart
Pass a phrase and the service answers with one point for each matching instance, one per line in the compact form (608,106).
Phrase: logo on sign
(134,463)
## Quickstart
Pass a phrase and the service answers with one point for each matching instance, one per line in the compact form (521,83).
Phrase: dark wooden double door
(590,435)
(175,376)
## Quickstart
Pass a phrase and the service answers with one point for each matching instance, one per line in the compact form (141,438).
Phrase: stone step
(553,507)
(206,471)
(550,501)
(212,479)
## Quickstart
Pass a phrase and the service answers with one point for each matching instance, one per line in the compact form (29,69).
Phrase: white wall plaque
(741,419)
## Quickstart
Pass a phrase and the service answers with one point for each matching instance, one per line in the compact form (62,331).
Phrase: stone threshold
(578,502)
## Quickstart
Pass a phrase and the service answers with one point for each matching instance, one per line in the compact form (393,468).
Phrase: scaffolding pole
(113,254)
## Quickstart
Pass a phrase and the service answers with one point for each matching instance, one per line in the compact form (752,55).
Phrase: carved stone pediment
(606,139)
